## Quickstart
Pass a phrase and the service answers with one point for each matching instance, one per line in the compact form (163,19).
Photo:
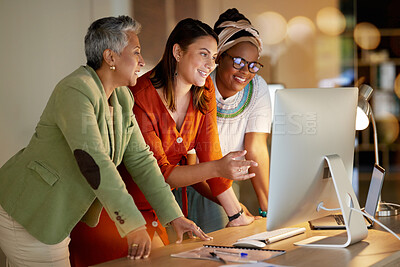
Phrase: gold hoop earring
(112,67)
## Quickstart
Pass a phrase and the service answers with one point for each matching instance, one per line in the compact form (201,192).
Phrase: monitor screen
(309,124)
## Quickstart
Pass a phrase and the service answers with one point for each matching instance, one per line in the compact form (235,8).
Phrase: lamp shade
(362,120)
(363,107)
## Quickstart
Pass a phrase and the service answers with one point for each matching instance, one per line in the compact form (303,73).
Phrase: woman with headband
(243,102)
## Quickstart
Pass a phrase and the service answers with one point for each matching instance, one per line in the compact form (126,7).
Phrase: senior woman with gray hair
(68,172)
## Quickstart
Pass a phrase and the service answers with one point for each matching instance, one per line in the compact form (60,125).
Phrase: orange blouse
(170,146)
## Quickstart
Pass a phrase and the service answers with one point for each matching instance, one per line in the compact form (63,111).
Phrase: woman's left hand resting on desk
(139,241)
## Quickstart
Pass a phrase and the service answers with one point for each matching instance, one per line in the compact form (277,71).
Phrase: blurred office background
(310,43)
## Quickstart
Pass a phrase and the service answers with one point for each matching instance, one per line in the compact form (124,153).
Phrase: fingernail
(131,257)
(146,256)
(137,258)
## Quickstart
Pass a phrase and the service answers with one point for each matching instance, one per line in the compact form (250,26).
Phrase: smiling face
(129,62)
(230,80)
(197,62)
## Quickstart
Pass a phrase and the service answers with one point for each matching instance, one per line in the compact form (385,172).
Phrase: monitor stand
(354,221)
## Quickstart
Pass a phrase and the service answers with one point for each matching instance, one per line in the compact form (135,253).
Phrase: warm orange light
(272,27)
(397,86)
(388,128)
(367,36)
(331,21)
(300,29)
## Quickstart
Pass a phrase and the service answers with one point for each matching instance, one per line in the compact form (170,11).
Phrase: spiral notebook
(229,254)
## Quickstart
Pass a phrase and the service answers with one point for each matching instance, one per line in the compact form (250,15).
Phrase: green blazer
(68,171)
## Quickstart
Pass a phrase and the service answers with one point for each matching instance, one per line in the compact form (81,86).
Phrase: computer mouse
(249,243)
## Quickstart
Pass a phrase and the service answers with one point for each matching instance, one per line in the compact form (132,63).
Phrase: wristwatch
(235,216)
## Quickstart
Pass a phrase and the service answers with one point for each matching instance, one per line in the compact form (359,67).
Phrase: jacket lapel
(116,135)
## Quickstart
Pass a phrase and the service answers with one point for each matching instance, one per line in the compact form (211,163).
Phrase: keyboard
(339,219)
(275,235)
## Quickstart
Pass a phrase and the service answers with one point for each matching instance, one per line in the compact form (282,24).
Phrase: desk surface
(380,248)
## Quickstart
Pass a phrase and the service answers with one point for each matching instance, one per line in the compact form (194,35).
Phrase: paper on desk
(230,254)
(258,264)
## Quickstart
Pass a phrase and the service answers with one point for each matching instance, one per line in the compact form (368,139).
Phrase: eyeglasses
(239,63)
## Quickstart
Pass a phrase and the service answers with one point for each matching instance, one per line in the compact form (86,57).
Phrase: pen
(214,255)
(241,254)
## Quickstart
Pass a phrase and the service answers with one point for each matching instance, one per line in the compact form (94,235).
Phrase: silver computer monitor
(309,125)
(272,88)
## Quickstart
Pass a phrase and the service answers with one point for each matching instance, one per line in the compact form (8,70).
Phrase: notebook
(336,221)
(229,254)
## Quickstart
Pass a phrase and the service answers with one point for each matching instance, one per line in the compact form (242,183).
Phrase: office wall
(41,42)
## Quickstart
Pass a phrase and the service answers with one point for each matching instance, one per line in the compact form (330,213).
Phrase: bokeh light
(397,86)
(331,21)
(300,29)
(272,27)
(388,128)
(367,36)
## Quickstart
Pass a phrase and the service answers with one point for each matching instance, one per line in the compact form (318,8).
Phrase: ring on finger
(135,245)
(198,228)
(240,170)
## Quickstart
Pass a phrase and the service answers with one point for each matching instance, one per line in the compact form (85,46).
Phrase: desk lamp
(364,115)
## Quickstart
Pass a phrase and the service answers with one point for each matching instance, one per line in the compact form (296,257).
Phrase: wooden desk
(380,248)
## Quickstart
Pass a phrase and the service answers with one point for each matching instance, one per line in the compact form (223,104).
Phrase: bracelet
(262,212)
(235,216)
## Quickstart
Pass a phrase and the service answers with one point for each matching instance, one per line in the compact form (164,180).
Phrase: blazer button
(121,221)
(179,140)
(119,218)
(154,223)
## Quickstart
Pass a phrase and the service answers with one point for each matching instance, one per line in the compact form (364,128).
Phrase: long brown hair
(163,75)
